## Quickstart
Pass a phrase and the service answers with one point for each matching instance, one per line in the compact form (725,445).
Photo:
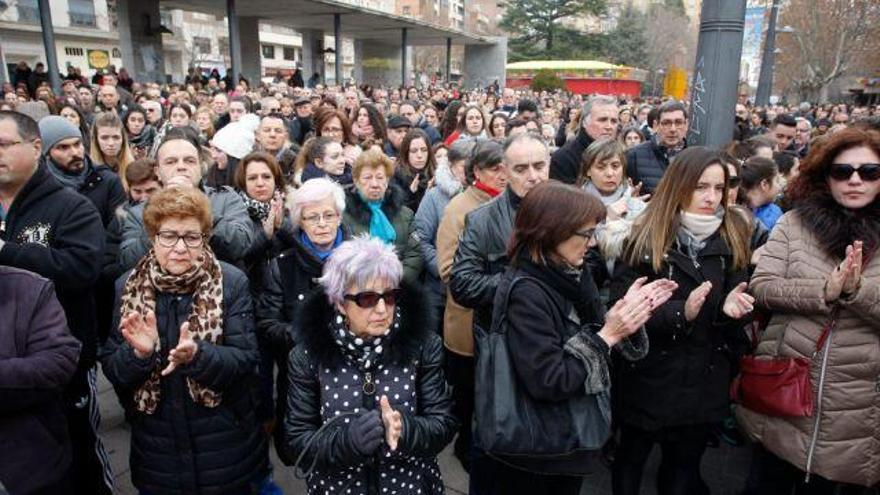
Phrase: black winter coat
(104,189)
(684,378)
(481,256)
(565,164)
(184,447)
(323,384)
(38,357)
(55,232)
(646,163)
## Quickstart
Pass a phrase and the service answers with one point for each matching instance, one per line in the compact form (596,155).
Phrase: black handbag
(517,429)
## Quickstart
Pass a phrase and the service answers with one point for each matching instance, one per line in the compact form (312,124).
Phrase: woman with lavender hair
(368,408)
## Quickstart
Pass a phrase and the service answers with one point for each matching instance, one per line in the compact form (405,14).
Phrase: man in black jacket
(598,121)
(646,163)
(68,162)
(50,230)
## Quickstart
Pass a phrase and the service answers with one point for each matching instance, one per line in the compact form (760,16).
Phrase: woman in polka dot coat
(368,407)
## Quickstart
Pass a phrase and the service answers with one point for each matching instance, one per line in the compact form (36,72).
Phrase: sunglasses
(370,299)
(733,181)
(843,171)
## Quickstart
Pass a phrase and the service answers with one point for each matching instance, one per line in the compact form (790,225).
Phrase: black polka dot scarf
(362,351)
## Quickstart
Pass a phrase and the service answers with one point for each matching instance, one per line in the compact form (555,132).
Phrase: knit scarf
(362,351)
(380,227)
(70,180)
(315,250)
(205,282)
(145,139)
(491,191)
(606,199)
(257,210)
(695,229)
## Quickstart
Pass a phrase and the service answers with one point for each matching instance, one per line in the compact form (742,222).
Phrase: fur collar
(402,349)
(393,202)
(836,227)
(445,181)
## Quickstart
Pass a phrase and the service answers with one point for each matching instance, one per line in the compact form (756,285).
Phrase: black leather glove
(366,433)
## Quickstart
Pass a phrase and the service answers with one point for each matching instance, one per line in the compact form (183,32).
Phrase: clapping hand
(636,191)
(185,351)
(658,292)
(141,333)
(738,303)
(393,423)
(625,318)
(847,276)
(695,301)
(276,216)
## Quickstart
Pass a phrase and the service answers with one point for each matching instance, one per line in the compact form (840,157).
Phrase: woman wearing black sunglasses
(820,265)
(368,409)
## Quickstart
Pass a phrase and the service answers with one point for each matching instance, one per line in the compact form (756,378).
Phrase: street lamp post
(768,59)
(714,84)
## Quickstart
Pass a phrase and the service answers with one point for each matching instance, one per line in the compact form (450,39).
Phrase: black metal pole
(714,86)
(403,34)
(234,42)
(448,59)
(337,45)
(768,59)
(49,46)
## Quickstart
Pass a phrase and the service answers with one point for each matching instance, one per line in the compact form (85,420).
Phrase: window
(268,51)
(28,11)
(201,46)
(223,46)
(407,10)
(289,53)
(82,13)
(116,53)
(73,51)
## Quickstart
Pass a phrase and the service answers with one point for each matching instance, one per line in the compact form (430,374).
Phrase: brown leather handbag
(779,386)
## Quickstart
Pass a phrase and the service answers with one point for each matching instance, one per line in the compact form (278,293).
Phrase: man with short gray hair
(599,119)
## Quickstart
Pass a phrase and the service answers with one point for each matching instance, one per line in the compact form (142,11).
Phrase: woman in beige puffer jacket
(794,279)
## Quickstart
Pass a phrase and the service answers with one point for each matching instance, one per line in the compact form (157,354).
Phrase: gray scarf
(72,180)
(609,199)
(695,230)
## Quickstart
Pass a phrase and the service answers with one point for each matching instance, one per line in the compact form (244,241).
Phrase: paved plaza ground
(724,468)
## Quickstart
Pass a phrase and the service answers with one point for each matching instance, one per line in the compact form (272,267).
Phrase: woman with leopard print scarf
(184,359)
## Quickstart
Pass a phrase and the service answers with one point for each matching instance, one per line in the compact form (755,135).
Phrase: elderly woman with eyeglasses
(368,408)
(316,214)
(184,354)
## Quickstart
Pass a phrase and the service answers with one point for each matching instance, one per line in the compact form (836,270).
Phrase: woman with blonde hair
(109,144)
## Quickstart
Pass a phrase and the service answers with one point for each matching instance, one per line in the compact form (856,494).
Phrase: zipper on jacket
(369,386)
(818,411)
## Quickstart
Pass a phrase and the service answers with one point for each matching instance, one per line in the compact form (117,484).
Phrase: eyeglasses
(586,234)
(169,238)
(733,181)
(315,219)
(370,299)
(670,123)
(843,171)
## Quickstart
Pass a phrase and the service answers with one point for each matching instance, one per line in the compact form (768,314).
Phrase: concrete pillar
(358,61)
(484,64)
(251,55)
(312,52)
(139,39)
(4,71)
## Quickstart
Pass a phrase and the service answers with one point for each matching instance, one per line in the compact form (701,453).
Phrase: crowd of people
(360,276)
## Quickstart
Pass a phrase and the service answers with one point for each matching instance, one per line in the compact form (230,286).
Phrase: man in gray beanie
(65,157)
